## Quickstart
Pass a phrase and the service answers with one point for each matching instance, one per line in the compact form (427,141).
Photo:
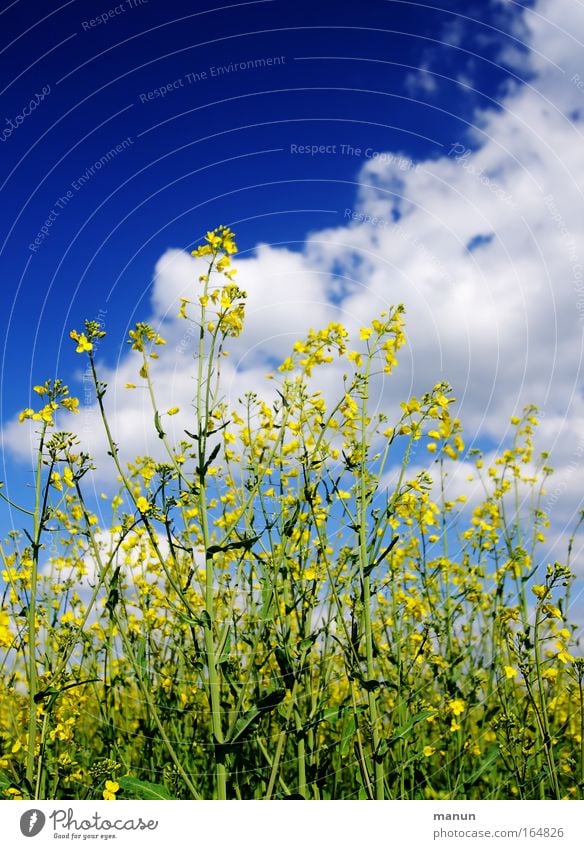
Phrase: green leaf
(143,789)
(244,723)
(42,694)
(307,642)
(158,426)
(370,685)
(371,566)
(271,700)
(403,729)
(205,619)
(348,734)
(141,654)
(483,767)
(264,705)
(267,613)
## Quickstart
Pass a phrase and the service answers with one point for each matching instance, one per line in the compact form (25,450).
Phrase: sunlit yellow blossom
(552,611)
(564,655)
(71,404)
(142,504)
(457,706)
(550,674)
(111,788)
(83,343)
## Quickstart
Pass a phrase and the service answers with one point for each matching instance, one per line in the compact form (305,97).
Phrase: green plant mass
(281,607)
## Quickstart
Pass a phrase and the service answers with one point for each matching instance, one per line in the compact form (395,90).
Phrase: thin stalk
(130,654)
(203,412)
(366,581)
(544,721)
(581,698)
(31,618)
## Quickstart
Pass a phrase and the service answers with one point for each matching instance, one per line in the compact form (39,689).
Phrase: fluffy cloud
(483,244)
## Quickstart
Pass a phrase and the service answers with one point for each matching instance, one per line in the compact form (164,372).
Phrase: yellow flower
(564,655)
(142,504)
(14,792)
(365,333)
(204,250)
(457,707)
(510,672)
(83,343)
(287,365)
(552,611)
(540,590)
(173,411)
(70,404)
(111,788)
(46,414)
(550,674)
(429,751)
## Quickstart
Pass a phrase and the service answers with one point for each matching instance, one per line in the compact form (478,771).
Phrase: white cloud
(421,81)
(487,256)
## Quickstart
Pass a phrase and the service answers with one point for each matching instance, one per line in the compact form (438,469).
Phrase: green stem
(32,665)
(366,580)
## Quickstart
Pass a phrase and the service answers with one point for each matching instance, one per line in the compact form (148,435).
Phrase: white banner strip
(284,824)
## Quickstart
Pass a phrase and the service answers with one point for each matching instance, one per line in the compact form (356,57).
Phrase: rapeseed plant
(263,617)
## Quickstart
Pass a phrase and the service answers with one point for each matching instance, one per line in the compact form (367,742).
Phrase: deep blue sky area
(191,141)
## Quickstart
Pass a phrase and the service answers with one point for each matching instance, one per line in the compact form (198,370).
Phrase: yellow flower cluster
(56,395)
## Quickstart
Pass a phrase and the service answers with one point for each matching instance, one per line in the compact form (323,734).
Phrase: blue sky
(462,125)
